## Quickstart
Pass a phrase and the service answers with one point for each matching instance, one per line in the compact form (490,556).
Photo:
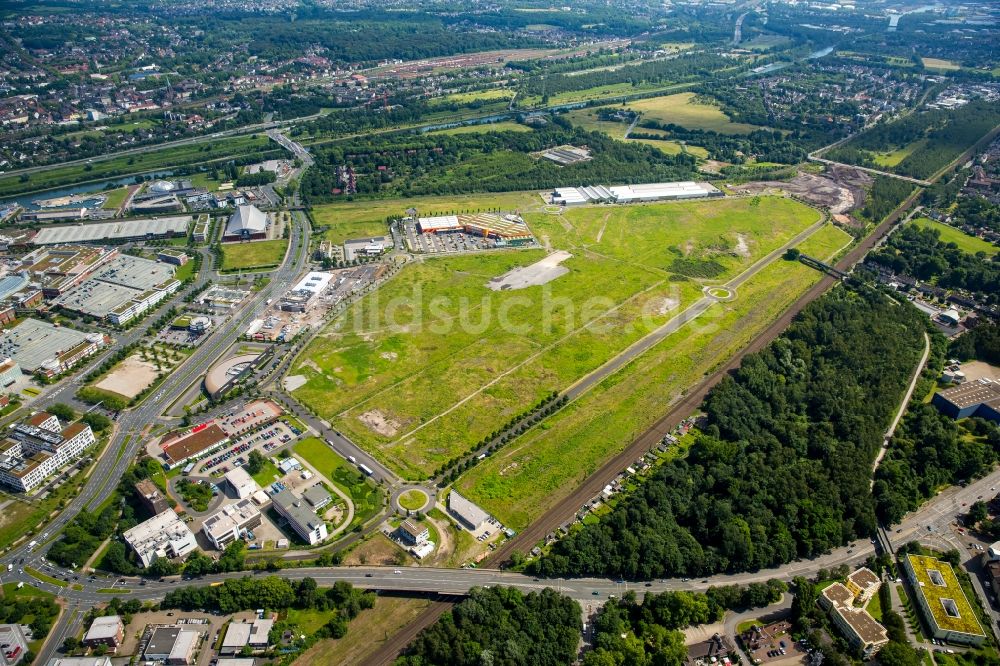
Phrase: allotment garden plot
(423,369)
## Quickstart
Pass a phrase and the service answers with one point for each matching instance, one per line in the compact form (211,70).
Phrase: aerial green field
(475,96)
(684,110)
(362,219)
(937,63)
(257,254)
(964,241)
(589,120)
(119,166)
(115,198)
(894,157)
(534,472)
(503,126)
(421,370)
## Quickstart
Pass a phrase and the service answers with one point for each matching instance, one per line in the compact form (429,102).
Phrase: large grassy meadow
(256,254)
(527,477)
(421,370)
(684,110)
(964,241)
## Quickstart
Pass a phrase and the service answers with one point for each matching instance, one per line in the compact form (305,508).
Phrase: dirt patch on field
(841,190)
(667,304)
(379,423)
(536,274)
(130,378)
(742,247)
(292,382)
(389,356)
(309,363)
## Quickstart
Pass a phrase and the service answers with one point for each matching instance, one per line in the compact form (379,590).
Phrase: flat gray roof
(120,229)
(97,298)
(33,342)
(135,272)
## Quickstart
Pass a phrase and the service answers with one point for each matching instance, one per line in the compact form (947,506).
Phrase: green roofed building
(942,601)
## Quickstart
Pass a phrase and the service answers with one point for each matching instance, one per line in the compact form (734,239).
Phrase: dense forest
(884,195)
(763,145)
(538,628)
(982,342)
(920,253)
(418,164)
(683,67)
(944,135)
(626,632)
(783,465)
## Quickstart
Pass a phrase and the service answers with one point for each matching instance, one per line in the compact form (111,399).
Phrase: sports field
(527,477)
(964,241)
(424,368)
(258,254)
(938,63)
(684,110)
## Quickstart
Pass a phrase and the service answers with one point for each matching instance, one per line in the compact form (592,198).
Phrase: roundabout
(411,499)
(721,294)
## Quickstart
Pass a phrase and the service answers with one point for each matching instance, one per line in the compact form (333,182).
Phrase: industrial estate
(504,333)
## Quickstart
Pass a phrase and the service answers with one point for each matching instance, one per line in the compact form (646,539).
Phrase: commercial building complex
(301,518)
(467,513)
(241,483)
(119,230)
(298,297)
(108,631)
(246,634)
(977,398)
(173,646)
(569,196)
(121,290)
(13,644)
(942,601)
(151,497)
(504,228)
(413,533)
(231,522)
(46,349)
(199,441)
(79,661)
(58,269)
(37,448)
(247,223)
(365,247)
(164,535)
(845,603)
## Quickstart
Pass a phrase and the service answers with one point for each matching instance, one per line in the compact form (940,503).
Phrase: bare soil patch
(538,273)
(130,378)
(292,382)
(378,422)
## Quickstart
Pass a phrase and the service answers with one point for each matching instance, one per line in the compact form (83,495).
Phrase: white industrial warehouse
(569,196)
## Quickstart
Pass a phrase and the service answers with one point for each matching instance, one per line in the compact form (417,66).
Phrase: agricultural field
(257,254)
(964,241)
(534,472)
(942,65)
(362,219)
(137,163)
(684,110)
(421,370)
